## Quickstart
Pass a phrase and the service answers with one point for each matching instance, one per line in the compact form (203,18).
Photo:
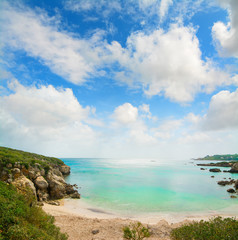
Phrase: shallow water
(149,185)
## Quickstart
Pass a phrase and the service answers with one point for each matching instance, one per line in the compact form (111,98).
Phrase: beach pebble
(95,231)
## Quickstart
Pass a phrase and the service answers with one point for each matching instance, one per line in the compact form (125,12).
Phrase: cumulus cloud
(223,112)
(125,114)
(44,118)
(224,35)
(167,63)
(72,58)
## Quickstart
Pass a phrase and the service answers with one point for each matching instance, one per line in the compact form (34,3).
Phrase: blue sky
(134,79)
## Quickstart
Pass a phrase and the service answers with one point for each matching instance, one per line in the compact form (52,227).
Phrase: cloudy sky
(119,78)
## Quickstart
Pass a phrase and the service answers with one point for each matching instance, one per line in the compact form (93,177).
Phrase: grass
(214,229)
(22,220)
(8,155)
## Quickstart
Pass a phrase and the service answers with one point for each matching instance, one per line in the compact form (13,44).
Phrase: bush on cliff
(214,229)
(21,221)
(9,155)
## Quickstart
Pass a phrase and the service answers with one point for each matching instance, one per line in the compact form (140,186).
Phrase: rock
(69,189)
(56,203)
(64,169)
(231,190)
(41,183)
(95,232)
(75,195)
(215,170)
(42,195)
(212,176)
(57,172)
(234,168)
(9,165)
(224,183)
(236,184)
(17,165)
(232,196)
(202,168)
(16,173)
(56,185)
(25,187)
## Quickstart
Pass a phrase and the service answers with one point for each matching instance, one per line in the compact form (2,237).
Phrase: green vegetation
(8,155)
(220,157)
(136,232)
(214,229)
(22,220)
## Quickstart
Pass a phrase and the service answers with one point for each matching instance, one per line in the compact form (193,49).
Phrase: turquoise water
(147,186)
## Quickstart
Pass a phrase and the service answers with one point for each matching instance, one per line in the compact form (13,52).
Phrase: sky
(119,78)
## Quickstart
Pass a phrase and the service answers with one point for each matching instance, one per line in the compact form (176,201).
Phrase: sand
(84,222)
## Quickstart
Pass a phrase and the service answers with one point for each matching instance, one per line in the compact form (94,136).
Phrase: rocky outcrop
(64,169)
(43,184)
(234,168)
(25,187)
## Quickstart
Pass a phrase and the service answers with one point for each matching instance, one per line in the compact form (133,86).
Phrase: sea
(130,186)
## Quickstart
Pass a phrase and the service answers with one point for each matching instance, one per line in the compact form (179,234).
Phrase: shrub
(214,229)
(136,231)
(20,220)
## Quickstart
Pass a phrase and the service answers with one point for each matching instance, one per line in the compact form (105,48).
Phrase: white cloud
(100,6)
(126,114)
(45,118)
(164,7)
(223,112)
(167,63)
(71,58)
(226,35)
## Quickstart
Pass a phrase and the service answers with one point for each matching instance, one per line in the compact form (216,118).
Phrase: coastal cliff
(40,176)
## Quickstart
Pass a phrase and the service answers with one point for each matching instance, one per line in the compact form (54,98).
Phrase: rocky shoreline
(233,169)
(42,182)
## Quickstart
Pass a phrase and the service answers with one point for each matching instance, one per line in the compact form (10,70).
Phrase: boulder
(25,187)
(57,172)
(75,195)
(16,173)
(234,168)
(215,170)
(41,183)
(64,169)
(231,190)
(42,195)
(232,196)
(56,185)
(236,184)
(224,183)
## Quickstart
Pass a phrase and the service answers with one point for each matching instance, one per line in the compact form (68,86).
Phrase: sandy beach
(82,221)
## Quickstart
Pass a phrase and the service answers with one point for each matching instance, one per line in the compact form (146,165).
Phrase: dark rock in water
(95,231)
(75,195)
(231,190)
(234,168)
(202,168)
(225,171)
(224,183)
(232,196)
(215,170)
(236,184)
(212,176)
